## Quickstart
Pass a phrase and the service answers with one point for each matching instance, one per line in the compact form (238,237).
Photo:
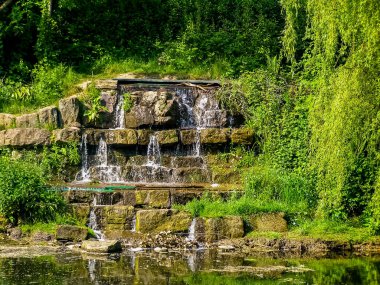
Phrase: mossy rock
(272,222)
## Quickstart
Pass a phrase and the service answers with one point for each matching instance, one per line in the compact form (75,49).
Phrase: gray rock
(27,121)
(7,121)
(70,111)
(49,117)
(66,135)
(24,137)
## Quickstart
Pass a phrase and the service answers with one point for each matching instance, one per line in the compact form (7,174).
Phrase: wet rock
(242,136)
(274,222)
(70,111)
(188,137)
(24,137)
(214,229)
(71,233)
(106,246)
(214,136)
(167,137)
(153,198)
(143,136)
(66,135)
(27,121)
(49,117)
(119,215)
(139,116)
(121,137)
(7,121)
(77,196)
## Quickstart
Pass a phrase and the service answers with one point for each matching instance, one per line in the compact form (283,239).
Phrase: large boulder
(72,134)
(49,117)
(70,109)
(7,121)
(27,121)
(71,233)
(104,246)
(153,198)
(117,217)
(214,229)
(264,222)
(121,137)
(155,221)
(24,137)
(139,116)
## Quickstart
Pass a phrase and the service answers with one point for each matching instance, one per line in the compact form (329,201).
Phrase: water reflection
(199,268)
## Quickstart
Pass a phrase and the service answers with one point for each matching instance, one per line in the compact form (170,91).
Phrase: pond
(198,268)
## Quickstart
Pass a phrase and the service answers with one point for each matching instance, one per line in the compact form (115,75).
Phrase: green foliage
(128,103)
(93,101)
(24,195)
(57,159)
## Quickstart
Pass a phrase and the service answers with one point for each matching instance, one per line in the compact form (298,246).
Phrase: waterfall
(91,269)
(197,144)
(102,153)
(191,236)
(153,154)
(133,228)
(119,113)
(93,224)
(84,175)
(186,104)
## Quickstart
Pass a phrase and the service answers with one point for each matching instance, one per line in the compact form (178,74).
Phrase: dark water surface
(199,268)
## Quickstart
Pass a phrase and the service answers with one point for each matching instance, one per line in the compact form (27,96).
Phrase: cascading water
(153,153)
(186,101)
(102,153)
(119,113)
(93,224)
(84,175)
(191,236)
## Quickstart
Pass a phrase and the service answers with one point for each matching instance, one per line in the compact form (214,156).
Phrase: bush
(23,193)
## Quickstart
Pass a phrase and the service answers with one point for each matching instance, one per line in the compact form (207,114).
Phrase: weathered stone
(186,161)
(214,136)
(118,214)
(41,236)
(225,174)
(139,116)
(188,137)
(155,221)
(213,229)
(177,222)
(190,174)
(81,211)
(121,137)
(148,220)
(7,121)
(66,135)
(105,246)
(71,233)
(242,136)
(159,199)
(70,111)
(24,137)
(77,196)
(264,222)
(143,136)
(106,84)
(106,118)
(27,121)
(15,233)
(167,137)
(49,117)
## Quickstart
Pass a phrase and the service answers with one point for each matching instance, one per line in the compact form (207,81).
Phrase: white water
(93,224)
(154,153)
(191,236)
(134,224)
(84,175)
(102,153)
(119,113)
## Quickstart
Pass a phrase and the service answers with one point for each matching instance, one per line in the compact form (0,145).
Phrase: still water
(199,268)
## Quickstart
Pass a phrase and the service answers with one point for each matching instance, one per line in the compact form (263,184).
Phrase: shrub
(23,193)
